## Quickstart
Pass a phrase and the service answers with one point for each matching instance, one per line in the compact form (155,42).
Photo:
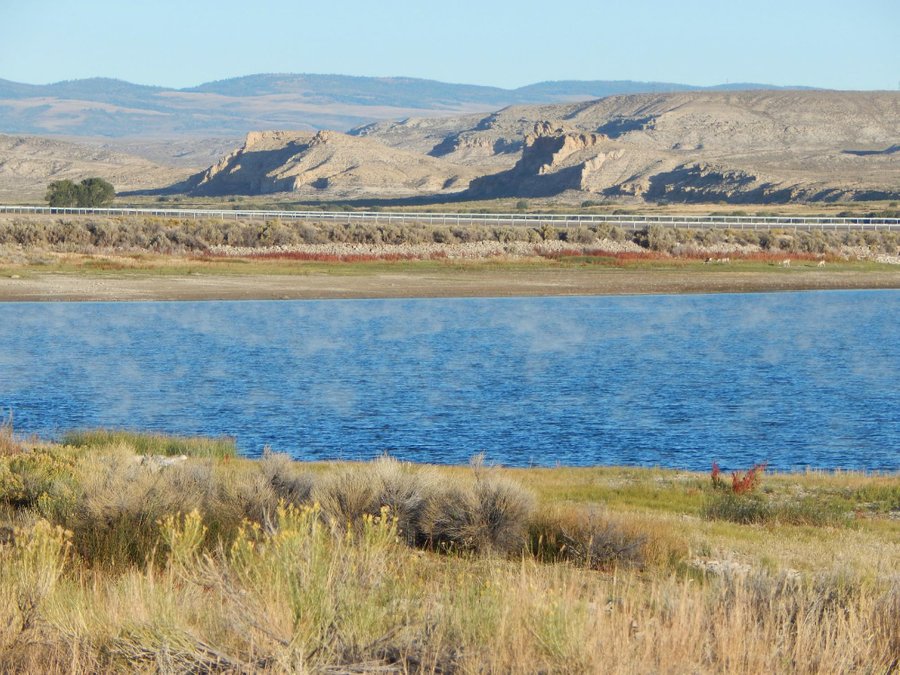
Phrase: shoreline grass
(123,265)
(150,552)
(143,443)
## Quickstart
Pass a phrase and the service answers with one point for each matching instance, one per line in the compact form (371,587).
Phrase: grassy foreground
(153,553)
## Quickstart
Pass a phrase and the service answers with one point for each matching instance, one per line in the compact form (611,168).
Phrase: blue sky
(822,43)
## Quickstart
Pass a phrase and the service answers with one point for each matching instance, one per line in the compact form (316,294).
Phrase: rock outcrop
(553,160)
(734,147)
(754,146)
(326,162)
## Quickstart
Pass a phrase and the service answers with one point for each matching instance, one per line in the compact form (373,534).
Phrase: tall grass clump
(154,444)
(489,513)
(9,444)
(304,597)
(287,479)
(594,538)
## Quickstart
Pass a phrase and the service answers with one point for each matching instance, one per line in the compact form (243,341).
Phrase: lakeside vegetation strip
(84,258)
(624,220)
(126,549)
(210,235)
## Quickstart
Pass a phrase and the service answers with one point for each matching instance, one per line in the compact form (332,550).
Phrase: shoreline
(74,287)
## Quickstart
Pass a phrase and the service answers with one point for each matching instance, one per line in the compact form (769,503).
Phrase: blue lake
(797,379)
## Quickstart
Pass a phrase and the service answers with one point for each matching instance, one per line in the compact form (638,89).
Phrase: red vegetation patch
(619,256)
(747,482)
(303,256)
(741,482)
(716,476)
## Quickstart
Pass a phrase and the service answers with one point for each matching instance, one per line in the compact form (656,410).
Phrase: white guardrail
(625,221)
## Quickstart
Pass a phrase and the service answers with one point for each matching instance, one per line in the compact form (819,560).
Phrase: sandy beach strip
(403,284)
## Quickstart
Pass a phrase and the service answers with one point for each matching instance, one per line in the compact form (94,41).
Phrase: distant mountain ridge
(233,107)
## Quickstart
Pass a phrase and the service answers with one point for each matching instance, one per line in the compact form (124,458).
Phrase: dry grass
(153,444)
(207,565)
(272,239)
(9,444)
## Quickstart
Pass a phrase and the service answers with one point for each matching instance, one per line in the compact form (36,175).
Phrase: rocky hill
(759,146)
(326,163)
(751,146)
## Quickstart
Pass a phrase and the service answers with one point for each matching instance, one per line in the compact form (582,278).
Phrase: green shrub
(581,235)
(32,568)
(737,508)
(119,500)
(489,513)
(749,509)
(658,238)
(548,232)
(32,474)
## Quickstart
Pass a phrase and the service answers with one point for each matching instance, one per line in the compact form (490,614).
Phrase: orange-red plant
(749,481)
(741,483)
(716,476)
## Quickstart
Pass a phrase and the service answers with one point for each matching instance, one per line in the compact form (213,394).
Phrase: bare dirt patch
(450,282)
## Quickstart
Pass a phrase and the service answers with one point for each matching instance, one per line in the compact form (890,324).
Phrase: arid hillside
(757,146)
(29,163)
(760,146)
(325,163)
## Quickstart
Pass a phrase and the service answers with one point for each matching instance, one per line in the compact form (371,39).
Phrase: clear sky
(180,43)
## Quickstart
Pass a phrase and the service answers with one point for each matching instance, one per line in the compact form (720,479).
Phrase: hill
(325,163)
(233,107)
(749,146)
(694,146)
(28,164)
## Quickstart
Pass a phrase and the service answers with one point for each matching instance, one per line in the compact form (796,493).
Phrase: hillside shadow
(373,202)
(865,153)
(240,180)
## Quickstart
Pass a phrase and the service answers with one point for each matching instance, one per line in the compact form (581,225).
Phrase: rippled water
(798,379)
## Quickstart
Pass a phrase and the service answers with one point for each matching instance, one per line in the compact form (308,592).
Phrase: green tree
(90,192)
(95,192)
(62,193)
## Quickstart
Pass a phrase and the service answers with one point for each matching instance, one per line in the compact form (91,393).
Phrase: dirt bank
(442,283)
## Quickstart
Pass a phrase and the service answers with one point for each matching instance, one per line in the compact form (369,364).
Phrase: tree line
(89,193)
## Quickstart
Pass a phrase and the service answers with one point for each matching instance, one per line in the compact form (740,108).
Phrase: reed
(153,444)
